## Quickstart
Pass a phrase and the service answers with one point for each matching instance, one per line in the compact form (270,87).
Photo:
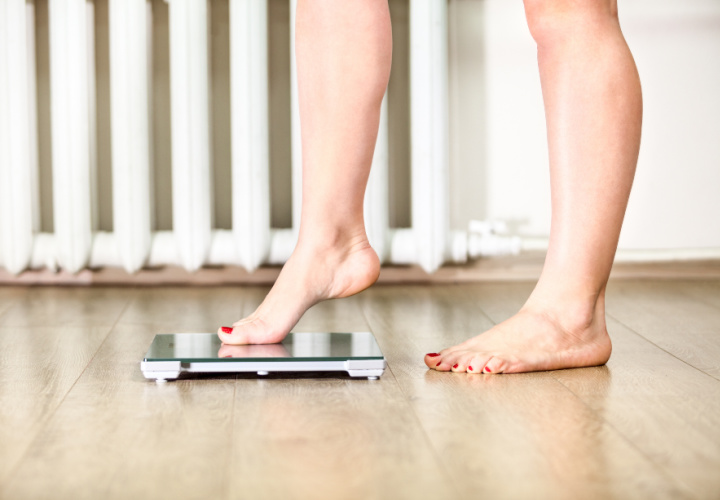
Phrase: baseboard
(523,267)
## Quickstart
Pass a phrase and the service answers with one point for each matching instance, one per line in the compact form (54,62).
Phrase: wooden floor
(78,420)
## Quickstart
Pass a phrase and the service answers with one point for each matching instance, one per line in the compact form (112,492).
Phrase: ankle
(330,238)
(575,312)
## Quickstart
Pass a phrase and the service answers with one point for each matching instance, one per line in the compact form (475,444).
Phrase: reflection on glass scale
(356,353)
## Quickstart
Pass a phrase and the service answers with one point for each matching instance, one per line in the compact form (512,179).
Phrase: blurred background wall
(499,167)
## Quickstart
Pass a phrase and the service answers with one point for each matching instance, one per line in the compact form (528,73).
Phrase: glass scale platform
(173,354)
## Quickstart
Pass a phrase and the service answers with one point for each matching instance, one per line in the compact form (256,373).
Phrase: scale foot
(369,374)
(262,372)
(161,376)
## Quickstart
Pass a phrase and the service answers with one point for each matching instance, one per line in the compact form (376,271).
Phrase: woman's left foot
(312,274)
(535,339)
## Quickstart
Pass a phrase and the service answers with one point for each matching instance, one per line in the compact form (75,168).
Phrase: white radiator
(193,242)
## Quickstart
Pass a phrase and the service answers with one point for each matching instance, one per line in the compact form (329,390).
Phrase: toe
(439,365)
(229,335)
(225,333)
(244,321)
(235,335)
(255,331)
(432,359)
(452,360)
(442,361)
(462,363)
(445,359)
(494,365)
(459,366)
(477,362)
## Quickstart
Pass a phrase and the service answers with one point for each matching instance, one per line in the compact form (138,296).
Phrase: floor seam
(42,425)
(627,440)
(228,489)
(700,299)
(406,401)
(661,348)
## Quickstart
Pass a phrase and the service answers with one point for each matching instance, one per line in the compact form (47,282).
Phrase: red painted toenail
(488,370)
(433,354)
(455,365)
(226,329)
(469,368)
(438,364)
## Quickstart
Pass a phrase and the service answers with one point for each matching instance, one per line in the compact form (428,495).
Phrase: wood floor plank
(38,366)
(660,311)
(643,393)
(706,291)
(411,320)
(78,420)
(118,435)
(70,306)
(517,436)
(329,437)
(9,295)
(44,347)
(666,408)
(187,309)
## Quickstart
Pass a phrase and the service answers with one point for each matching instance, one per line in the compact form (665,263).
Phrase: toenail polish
(438,364)
(469,368)
(488,370)
(433,354)
(455,365)
(226,329)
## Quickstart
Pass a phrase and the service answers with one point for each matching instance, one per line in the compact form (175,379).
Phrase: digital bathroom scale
(172,354)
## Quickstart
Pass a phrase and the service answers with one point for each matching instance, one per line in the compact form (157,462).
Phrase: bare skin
(344,51)
(593,108)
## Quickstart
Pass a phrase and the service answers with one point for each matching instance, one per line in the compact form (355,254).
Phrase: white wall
(675,203)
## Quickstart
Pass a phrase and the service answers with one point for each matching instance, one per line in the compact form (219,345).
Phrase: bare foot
(311,275)
(535,339)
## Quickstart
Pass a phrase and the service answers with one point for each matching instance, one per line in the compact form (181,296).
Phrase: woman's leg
(343,53)
(593,109)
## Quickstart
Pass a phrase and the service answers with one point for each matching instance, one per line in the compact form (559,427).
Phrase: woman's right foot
(312,274)
(545,335)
